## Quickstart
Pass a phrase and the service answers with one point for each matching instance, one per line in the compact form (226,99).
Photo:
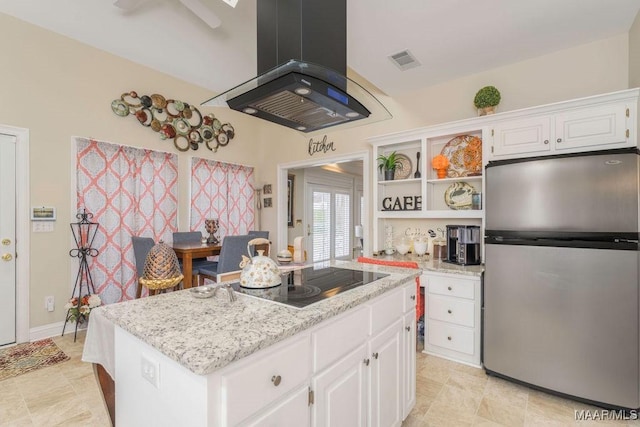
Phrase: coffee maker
(463,244)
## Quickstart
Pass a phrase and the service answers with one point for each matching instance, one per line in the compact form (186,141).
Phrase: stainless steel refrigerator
(561,298)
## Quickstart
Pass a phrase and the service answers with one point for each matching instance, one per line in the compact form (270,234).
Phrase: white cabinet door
(340,392)
(603,125)
(386,352)
(530,135)
(409,363)
(292,411)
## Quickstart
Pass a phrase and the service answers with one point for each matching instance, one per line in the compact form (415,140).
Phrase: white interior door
(7,239)
(330,223)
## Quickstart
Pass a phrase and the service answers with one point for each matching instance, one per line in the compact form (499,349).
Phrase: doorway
(331,211)
(7,239)
(14,235)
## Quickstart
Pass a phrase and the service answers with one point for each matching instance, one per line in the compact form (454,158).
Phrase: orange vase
(442,173)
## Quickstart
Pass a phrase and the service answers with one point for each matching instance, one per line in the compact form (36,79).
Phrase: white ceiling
(451,38)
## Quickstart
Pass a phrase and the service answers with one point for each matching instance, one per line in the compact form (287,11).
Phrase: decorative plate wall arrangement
(176,120)
(465,156)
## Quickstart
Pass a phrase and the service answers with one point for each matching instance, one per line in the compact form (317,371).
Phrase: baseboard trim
(52,330)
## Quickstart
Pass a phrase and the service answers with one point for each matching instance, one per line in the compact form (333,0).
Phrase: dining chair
(233,247)
(193,237)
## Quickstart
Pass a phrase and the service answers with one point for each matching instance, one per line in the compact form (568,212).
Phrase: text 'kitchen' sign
(321,146)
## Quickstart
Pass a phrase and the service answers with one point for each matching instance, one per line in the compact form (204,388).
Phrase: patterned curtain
(130,192)
(223,191)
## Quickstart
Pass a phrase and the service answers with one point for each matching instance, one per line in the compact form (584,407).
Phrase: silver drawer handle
(449,287)
(546,141)
(559,140)
(276,379)
(449,338)
(413,297)
(408,328)
(449,311)
(366,362)
(375,355)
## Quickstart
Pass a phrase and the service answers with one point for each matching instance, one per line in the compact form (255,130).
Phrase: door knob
(276,380)
(6,242)
(7,257)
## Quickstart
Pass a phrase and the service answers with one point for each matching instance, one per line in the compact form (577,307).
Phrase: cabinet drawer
(339,338)
(452,310)
(386,310)
(451,286)
(410,296)
(252,386)
(452,337)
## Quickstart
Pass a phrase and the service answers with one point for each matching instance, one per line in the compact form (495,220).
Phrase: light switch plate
(150,370)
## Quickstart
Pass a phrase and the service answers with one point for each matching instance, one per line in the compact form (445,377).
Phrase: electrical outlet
(49,303)
(150,370)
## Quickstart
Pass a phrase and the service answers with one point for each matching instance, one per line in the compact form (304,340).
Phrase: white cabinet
(409,362)
(453,310)
(386,354)
(523,136)
(372,383)
(587,124)
(595,127)
(341,392)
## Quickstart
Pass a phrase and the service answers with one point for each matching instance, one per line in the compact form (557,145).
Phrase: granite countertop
(204,335)
(427,264)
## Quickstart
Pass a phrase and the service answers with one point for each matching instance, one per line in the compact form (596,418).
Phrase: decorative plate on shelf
(465,156)
(458,196)
(406,170)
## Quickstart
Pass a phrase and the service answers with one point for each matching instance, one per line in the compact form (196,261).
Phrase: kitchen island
(178,360)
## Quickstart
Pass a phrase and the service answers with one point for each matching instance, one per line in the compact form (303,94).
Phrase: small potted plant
(486,100)
(389,164)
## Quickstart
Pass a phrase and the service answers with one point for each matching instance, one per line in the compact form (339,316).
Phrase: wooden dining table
(187,252)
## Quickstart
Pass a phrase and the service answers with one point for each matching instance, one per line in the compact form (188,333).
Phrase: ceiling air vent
(404,60)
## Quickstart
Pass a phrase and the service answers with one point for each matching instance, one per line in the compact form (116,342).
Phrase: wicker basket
(161,268)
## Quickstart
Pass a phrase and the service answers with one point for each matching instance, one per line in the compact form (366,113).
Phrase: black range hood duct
(302,57)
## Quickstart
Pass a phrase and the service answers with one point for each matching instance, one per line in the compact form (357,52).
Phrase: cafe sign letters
(402,203)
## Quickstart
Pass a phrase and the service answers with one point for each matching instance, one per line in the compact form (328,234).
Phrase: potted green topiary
(389,164)
(486,99)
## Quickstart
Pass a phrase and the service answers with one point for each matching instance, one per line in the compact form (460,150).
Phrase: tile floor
(448,394)
(63,394)
(452,394)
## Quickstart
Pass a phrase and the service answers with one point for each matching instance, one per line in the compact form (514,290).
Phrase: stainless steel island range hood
(301,82)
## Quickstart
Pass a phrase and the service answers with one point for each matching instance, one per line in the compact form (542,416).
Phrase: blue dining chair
(233,247)
(141,248)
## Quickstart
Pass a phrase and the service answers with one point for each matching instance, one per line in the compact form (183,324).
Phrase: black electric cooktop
(301,288)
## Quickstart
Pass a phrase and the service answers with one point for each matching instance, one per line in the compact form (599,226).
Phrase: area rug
(28,357)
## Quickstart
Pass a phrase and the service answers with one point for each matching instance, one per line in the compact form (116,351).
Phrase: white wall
(634,53)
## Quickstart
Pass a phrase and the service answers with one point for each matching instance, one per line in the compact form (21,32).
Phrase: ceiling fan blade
(126,4)
(202,12)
